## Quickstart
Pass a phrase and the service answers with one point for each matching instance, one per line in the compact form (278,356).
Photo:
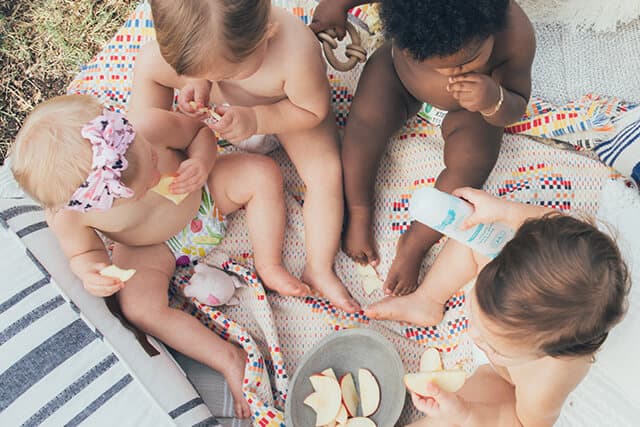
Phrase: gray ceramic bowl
(347,351)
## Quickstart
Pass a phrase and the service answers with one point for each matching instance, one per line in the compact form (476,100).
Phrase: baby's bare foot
(329,286)
(415,309)
(405,268)
(234,374)
(278,279)
(359,243)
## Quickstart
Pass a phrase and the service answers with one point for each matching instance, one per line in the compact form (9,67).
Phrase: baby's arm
(85,251)
(150,112)
(332,15)
(489,209)
(541,387)
(305,107)
(515,78)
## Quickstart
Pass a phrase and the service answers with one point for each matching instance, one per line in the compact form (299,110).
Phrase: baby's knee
(265,172)
(140,313)
(324,173)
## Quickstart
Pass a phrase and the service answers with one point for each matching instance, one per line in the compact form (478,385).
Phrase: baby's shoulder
(519,38)
(542,386)
(294,39)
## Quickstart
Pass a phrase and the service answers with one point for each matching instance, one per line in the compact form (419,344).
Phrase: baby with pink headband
(92,170)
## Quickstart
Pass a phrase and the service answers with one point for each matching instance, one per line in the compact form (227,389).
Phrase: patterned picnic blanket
(277,331)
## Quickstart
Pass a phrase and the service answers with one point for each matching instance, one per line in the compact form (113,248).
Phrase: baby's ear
(272,29)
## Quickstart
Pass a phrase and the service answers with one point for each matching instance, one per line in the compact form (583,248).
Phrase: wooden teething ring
(354,51)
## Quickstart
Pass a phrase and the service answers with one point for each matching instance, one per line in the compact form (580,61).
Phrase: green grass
(42,45)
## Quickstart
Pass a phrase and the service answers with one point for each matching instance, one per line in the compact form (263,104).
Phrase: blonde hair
(191,33)
(49,158)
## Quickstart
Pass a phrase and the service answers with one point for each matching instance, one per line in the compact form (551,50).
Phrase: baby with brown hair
(93,170)
(539,311)
(263,70)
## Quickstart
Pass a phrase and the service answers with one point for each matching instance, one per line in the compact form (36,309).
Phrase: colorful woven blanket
(276,331)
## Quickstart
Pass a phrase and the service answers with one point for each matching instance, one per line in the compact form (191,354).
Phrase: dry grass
(42,45)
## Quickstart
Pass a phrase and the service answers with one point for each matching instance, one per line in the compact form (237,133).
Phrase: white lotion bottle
(445,213)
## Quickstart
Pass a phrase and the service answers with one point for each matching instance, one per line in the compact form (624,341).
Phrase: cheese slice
(370,279)
(162,188)
(118,273)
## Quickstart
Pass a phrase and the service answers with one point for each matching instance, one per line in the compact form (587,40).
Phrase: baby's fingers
(102,286)
(187,186)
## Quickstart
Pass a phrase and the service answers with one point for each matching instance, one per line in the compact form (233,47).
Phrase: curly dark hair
(428,28)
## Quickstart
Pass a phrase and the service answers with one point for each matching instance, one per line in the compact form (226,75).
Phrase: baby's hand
(330,15)
(442,405)
(474,91)
(237,123)
(191,176)
(97,284)
(487,209)
(193,97)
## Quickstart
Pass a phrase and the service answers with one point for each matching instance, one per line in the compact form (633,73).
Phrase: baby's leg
(255,181)
(144,303)
(484,387)
(316,155)
(379,109)
(470,151)
(454,267)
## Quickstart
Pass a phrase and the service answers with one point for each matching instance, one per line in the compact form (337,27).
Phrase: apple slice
(430,360)
(315,381)
(329,373)
(349,394)
(450,381)
(369,392)
(117,273)
(360,422)
(325,401)
(342,416)
(162,188)
(370,279)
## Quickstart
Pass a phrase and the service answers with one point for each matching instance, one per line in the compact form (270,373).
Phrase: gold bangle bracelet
(498,105)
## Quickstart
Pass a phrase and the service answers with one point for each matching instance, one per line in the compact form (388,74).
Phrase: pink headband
(110,135)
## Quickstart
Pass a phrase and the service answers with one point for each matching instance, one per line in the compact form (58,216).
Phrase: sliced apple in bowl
(369,392)
(325,401)
(329,373)
(448,380)
(349,394)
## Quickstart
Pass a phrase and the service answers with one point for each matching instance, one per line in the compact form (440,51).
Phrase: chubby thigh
(146,292)
(236,178)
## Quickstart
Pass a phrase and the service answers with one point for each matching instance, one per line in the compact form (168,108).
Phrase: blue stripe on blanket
(43,359)
(186,407)
(23,294)
(29,318)
(101,400)
(609,150)
(72,390)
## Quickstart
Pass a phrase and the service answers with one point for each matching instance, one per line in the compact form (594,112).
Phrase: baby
(539,311)
(264,71)
(92,170)
(470,59)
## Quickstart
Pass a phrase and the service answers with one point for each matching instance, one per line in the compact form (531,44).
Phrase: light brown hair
(50,158)
(191,33)
(560,283)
